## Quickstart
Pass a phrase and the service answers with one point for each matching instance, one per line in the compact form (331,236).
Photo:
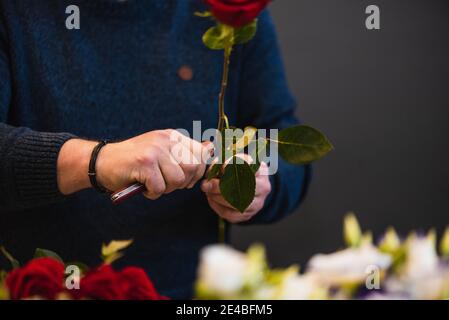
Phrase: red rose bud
(236,13)
(42,277)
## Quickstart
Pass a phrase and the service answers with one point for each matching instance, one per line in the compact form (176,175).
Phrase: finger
(229,215)
(211,187)
(154,183)
(263,186)
(263,170)
(173,174)
(199,150)
(200,170)
(193,168)
(188,163)
(220,200)
(254,207)
(208,151)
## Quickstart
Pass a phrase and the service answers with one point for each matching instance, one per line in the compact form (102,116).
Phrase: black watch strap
(92,167)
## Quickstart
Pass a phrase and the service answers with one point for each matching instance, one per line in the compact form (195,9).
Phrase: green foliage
(218,37)
(297,145)
(351,231)
(444,244)
(112,251)
(205,14)
(84,268)
(248,135)
(44,253)
(246,33)
(261,146)
(4,294)
(214,171)
(302,144)
(238,184)
(13,261)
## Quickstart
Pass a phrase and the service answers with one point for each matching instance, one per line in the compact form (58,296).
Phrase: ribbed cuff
(35,166)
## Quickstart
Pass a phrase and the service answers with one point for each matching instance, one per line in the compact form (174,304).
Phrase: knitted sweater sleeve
(28,159)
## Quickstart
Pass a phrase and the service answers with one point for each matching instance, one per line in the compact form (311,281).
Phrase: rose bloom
(40,278)
(137,285)
(104,283)
(236,13)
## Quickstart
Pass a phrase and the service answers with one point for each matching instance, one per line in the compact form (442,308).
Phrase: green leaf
(44,253)
(218,37)
(245,33)
(13,261)
(248,135)
(238,184)
(390,242)
(256,265)
(204,14)
(351,231)
(111,252)
(302,144)
(214,171)
(444,244)
(261,146)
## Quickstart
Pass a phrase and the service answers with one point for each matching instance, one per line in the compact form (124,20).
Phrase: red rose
(104,283)
(42,277)
(236,13)
(101,283)
(138,286)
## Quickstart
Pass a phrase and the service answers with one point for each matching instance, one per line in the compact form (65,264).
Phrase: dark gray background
(382,97)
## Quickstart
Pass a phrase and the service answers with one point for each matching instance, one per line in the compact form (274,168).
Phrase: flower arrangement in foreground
(48,277)
(389,269)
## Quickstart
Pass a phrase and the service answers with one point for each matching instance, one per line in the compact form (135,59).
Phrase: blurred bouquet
(48,277)
(390,269)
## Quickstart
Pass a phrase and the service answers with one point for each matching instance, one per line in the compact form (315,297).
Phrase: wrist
(104,166)
(73,165)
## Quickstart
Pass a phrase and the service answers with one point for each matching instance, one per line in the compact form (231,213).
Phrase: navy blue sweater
(115,78)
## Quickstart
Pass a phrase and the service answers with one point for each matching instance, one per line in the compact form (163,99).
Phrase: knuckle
(148,158)
(164,135)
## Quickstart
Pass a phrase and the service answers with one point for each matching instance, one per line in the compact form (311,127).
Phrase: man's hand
(163,161)
(225,210)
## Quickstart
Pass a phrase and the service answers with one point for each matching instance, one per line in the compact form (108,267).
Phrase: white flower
(385,296)
(302,287)
(431,287)
(422,276)
(422,258)
(347,266)
(222,269)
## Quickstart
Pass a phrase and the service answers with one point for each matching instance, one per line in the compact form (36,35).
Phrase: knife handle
(126,193)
